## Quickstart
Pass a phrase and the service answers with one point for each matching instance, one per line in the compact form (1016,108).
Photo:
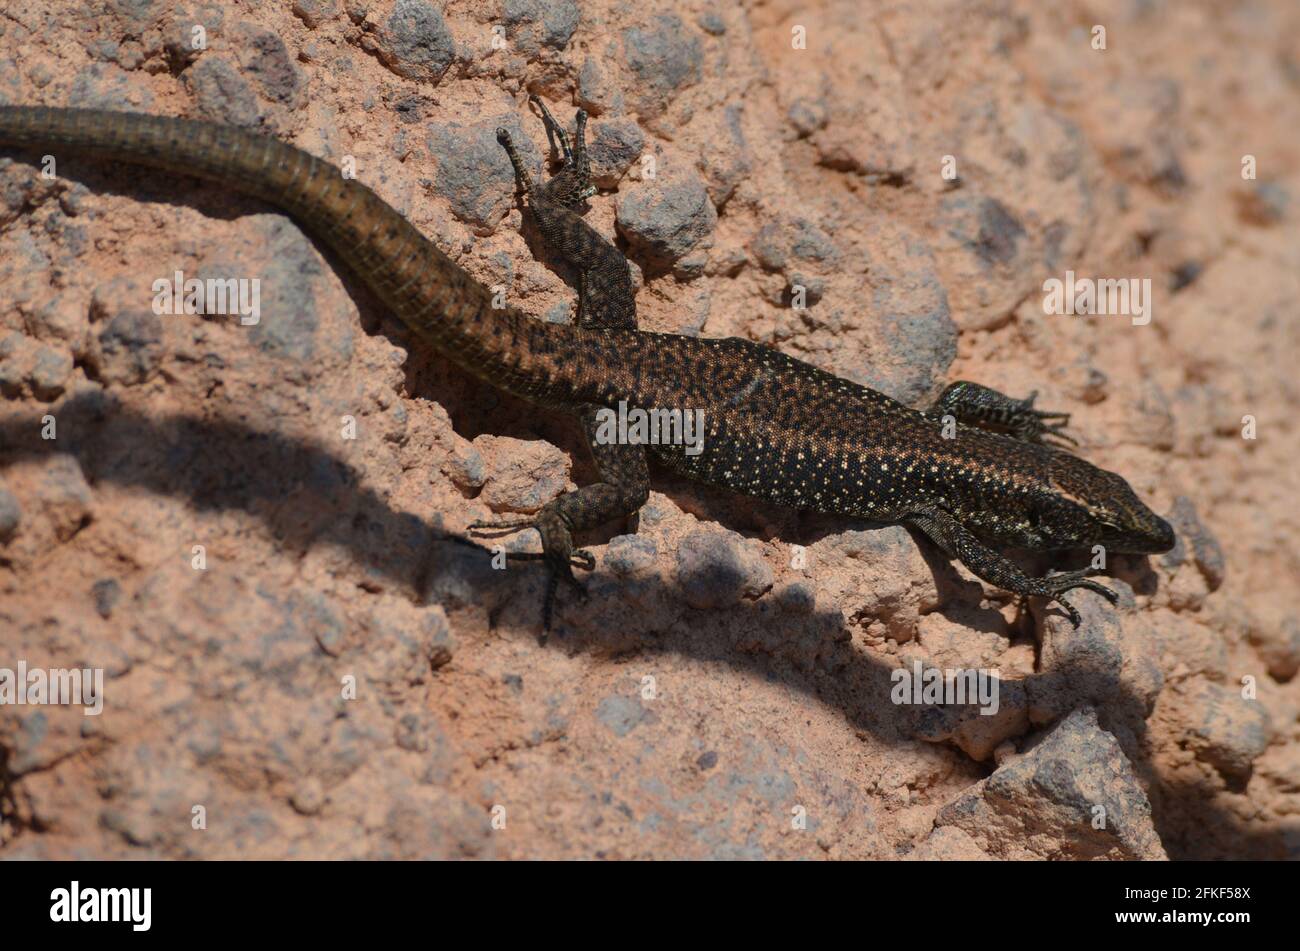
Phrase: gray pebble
(266,60)
(1231,732)
(536,23)
(107,592)
(727,158)
(314,12)
(666,219)
(1279,645)
(474,174)
(714,572)
(465,467)
(221,94)
(621,714)
(308,797)
(777,243)
(807,115)
(11,515)
(665,57)
(814,289)
(130,346)
(65,318)
(630,554)
(613,145)
(106,86)
(1191,533)
(712,24)
(596,93)
(14,351)
(415,42)
(178,36)
(290,327)
(1055,788)
(558,313)
(413,732)
(985,226)
(49,374)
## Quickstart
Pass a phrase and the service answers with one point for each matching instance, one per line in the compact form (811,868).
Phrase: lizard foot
(557,551)
(1055,586)
(1032,424)
(981,406)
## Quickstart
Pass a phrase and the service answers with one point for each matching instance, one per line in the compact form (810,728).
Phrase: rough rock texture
(251,529)
(1071,795)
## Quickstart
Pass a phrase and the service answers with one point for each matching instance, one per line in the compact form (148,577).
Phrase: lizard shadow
(307,496)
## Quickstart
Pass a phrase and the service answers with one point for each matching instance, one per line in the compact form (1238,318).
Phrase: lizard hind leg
(557,551)
(581,161)
(570,186)
(555,134)
(623,488)
(521,171)
(987,408)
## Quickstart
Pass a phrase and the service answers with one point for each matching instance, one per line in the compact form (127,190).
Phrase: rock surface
(1072,795)
(251,529)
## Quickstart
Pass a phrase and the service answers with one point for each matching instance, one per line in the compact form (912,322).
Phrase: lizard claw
(557,552)
(1071,612)
(1032,424)
(1055,586)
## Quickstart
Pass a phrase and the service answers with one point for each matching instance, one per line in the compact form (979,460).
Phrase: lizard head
(1104,510)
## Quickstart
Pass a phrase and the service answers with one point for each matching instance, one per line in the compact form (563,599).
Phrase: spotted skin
(775,428)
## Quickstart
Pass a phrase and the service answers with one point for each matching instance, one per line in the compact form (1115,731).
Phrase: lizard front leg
(986,408)
(956,541)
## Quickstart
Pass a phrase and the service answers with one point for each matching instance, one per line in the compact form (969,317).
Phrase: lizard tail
(429,292)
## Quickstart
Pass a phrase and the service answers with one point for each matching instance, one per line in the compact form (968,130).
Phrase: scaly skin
(776,428)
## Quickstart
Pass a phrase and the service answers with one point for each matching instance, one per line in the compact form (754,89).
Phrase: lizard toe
(1070,611)
(484,526)
(1070,580)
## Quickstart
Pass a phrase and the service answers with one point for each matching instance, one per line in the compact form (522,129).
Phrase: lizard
(976,473)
